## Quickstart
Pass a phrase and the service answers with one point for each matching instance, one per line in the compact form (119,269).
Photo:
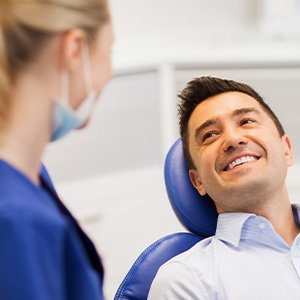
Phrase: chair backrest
(198,214)
(137,282)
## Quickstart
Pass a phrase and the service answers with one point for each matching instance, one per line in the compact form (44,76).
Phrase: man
(238,153)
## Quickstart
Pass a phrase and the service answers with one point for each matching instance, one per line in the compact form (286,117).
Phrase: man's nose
(232,139)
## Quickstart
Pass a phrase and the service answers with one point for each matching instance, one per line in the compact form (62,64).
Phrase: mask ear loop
(86,68)
(86,106)
(86,73)
(65,87)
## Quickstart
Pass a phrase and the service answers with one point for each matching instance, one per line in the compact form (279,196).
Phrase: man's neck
(277,210)
(282,218)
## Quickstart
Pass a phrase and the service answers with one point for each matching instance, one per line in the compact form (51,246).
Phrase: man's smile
(240,160)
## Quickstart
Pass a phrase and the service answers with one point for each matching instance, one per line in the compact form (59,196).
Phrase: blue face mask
(64,118)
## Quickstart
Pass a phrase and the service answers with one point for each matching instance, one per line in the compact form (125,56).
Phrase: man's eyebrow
(237,112)
(203,126)
(245,110)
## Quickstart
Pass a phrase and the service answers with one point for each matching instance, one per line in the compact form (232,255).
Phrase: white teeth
(241,160)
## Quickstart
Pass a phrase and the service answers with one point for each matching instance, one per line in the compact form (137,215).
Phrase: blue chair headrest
(197,213)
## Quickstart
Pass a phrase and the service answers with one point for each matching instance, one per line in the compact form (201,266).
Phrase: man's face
(240,158)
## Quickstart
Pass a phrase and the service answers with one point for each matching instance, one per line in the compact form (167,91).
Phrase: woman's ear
(197,182)
(71,48)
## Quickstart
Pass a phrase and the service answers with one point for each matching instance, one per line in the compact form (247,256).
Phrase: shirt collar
(232,227)
(229,226)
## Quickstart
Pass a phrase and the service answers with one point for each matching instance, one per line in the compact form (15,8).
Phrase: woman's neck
(29,126)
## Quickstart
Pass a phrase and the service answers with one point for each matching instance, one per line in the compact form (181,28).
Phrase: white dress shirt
(246,259)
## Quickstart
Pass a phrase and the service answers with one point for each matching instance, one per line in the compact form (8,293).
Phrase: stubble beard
(252,198)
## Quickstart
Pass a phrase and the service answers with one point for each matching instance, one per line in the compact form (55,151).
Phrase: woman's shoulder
(29,212)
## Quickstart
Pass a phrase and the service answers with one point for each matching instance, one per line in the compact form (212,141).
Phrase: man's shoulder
(200,251)
(179,277)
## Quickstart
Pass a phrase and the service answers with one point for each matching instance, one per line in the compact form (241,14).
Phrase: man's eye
(247,121)
(209,135)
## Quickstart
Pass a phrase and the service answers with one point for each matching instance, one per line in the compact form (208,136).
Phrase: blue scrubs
(44,254)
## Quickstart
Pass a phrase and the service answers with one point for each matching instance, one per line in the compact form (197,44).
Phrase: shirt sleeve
(175,281)
(31,259)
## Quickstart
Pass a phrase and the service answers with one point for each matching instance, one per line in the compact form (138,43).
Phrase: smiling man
(238,153)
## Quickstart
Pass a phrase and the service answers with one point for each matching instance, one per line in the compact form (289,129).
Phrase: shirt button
(261,225)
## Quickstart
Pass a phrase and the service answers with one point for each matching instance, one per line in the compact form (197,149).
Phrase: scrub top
(44,254)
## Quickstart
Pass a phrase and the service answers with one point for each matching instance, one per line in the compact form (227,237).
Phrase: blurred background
(111,174)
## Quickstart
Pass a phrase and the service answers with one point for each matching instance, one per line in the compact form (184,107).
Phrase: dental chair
(196,213)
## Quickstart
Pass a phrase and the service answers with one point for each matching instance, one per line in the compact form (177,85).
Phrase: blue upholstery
(138,280)
(198,214)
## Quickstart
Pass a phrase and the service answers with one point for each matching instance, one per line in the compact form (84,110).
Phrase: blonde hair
(26,24)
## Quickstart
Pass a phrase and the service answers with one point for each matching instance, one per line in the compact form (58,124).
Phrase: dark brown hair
(200,89)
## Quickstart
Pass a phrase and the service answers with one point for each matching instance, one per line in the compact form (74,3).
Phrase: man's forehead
(220,105)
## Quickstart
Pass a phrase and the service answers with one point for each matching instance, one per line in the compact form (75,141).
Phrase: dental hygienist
(54,62)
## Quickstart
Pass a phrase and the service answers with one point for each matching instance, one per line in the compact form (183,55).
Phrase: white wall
(170,25)
(202,18)
(163,29)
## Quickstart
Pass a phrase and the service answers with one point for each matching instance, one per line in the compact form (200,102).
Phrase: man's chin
(241,187)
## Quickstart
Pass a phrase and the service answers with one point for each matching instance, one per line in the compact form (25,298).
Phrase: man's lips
(239,160)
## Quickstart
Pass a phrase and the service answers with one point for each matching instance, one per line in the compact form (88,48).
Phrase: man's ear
(287,144)
(197,182)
